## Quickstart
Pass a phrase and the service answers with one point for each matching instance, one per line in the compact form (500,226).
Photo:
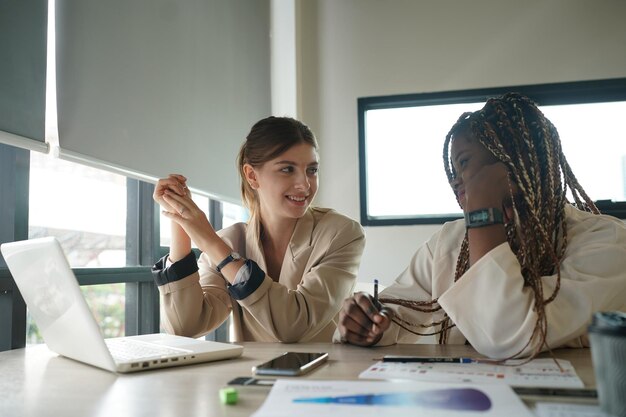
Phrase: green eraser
(228,395)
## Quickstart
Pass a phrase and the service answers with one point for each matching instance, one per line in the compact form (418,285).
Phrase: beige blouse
(301,305)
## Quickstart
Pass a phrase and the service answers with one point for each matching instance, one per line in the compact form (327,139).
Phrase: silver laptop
(56,303)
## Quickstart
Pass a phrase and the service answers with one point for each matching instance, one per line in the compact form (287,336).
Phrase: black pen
(376,293)
(556,392)
(394,358)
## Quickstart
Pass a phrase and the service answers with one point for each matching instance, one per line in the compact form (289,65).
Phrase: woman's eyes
(290,169)
(463,163)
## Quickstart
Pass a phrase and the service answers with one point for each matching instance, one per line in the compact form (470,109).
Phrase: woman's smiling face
(287,184)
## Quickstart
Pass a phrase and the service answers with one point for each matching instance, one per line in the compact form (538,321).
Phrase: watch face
(479,216)
(483,217)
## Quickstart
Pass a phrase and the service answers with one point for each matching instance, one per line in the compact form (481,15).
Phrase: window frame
(14,176)
(594,91)
(142,251)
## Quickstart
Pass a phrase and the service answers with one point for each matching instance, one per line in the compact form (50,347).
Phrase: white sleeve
(495,311)
(414,283)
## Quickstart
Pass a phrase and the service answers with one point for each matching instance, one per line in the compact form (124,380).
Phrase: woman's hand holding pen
(362,321)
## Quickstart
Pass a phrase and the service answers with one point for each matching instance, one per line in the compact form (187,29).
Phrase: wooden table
(36,382)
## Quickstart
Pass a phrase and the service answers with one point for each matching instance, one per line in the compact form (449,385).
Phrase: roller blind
(152,87)
(23,73)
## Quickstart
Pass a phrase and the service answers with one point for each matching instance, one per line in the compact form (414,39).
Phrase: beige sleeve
(197,304)
(298,315)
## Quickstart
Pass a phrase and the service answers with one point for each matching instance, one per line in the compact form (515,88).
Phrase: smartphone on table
(291,364)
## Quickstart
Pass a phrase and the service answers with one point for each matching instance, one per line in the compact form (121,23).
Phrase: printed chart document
(536,373)
(289,398)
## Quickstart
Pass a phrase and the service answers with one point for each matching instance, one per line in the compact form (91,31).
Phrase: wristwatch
(233,256)
(483,217)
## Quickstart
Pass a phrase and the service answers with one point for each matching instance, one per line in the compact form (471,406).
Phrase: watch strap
(233,256)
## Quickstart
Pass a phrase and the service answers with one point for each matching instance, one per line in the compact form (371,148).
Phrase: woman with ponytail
(284,273)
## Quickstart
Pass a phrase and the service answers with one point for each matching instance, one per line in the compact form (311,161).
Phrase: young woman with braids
(525,270)
(282,275)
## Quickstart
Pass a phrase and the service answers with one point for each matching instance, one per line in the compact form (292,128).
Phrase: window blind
(152,87)
(23,73)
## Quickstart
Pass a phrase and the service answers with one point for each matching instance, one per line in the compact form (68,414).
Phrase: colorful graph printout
(303,398)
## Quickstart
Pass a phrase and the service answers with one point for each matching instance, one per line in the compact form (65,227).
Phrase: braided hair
(516,132)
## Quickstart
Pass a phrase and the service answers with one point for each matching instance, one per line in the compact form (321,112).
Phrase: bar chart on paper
(538,372)
(376,398)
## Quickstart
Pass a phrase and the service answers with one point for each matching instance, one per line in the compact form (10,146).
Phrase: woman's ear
(250,176)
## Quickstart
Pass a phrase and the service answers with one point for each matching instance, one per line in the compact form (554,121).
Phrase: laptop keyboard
(130,350)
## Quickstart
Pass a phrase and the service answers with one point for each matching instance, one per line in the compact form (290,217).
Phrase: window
(401,138)
(233,213)
(107,224)
(83,207)
(109,227)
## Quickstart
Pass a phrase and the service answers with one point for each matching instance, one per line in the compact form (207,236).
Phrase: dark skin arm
(489,187)
(482,181)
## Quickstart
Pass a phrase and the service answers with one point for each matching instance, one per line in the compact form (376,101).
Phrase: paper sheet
(289,398)
(536,373)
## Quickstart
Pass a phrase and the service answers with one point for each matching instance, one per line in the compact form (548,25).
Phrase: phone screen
(291,363)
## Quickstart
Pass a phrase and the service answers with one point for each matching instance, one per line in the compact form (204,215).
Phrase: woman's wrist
(180,245)
(209,242)
(483,239)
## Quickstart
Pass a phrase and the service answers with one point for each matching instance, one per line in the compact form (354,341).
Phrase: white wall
(359,48)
